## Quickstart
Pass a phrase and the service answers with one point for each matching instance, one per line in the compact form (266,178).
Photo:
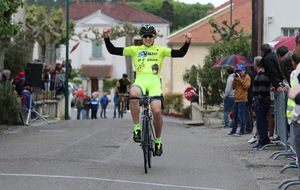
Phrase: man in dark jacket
(270,63)
(285,62)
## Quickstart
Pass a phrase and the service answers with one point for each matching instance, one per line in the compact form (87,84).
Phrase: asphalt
(268,171)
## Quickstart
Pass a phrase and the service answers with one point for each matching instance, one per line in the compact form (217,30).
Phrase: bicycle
(148,134)
(121,106)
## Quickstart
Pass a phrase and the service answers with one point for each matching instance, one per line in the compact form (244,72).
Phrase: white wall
(82,55)
(278,14)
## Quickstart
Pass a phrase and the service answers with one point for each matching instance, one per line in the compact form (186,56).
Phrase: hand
(188,37)
(106,32)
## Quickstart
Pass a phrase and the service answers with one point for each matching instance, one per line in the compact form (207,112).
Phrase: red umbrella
(233,60)
(288,42)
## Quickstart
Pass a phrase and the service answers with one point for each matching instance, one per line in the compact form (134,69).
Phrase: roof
(120,11)
(200,30)
(97,71)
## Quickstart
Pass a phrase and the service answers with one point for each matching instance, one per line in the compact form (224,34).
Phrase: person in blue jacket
(94,106)
(104,102)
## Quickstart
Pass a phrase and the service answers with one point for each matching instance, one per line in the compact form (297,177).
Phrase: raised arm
(110,47)
(182,51)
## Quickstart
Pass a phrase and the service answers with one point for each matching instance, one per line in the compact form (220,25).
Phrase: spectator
(285,62)
(94,105)
(194,97)
(47,78)
(116,103)
(79,102)
(6,80)
(262,102)
(240,84)
(86,107)
(104,102)
(271,66)
(228,96)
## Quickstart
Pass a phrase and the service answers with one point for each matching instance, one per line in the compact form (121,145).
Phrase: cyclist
(122,87)
(148,59)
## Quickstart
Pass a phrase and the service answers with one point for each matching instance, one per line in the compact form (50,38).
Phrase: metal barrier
(281,124)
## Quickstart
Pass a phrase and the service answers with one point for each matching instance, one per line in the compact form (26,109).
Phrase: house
(94,60)
(279,19)
(173,71)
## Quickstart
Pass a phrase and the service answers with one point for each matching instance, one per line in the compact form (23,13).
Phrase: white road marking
(109,180)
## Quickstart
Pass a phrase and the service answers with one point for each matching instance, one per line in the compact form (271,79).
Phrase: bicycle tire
(150,143)
(145,144)
(121,108)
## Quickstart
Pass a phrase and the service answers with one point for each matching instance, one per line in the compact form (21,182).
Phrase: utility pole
(67,65)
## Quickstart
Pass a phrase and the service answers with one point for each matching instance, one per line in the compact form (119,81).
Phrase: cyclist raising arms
(122,87)
(148,59)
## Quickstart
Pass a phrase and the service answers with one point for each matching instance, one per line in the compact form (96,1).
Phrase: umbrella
(233,60)
(288,42)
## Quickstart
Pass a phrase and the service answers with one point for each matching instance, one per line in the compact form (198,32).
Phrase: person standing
(240,84)
(104,102)
(262,102)
(228,96)
(79,102)
(86,107)
(148,60)
(94,106)
(116,103)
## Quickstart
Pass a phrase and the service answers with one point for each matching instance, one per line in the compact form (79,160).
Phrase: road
(100,154)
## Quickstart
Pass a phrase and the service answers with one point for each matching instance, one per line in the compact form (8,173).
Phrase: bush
(10,108)
(173,103)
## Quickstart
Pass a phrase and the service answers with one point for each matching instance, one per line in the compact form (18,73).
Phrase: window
(96,49)
(290,31)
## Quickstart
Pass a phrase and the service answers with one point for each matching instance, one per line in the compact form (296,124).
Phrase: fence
(286,134)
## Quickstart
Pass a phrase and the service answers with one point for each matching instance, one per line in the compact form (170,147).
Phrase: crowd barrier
(286,134)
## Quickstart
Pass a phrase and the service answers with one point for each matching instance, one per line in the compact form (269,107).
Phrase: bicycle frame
(148,134)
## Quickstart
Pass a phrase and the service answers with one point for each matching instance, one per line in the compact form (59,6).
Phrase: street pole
(230,12)
(67,64)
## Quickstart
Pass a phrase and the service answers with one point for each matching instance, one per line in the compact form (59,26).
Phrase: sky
(216,3)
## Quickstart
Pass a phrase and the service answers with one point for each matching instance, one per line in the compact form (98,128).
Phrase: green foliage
(179,14)
(9,29)
(48,29)
(212,79)
(173,103)
(187,112)
(191,76)
(10,108)
(108,84)
(16,55)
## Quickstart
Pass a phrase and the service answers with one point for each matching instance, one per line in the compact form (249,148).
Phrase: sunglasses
(147,36)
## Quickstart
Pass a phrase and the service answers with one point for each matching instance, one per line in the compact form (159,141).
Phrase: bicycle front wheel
(145,146)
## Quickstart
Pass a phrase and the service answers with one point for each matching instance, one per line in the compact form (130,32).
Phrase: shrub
(173,103)
(10,108)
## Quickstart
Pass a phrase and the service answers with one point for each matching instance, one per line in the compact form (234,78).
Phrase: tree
(129,31)
(8,29)
(19,52)
(213,80)
(48,29)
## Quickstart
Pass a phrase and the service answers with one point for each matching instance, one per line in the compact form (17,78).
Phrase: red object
(231,115)
(187,92)
(80,94)
(233,60)
(288,42)
(74,47)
